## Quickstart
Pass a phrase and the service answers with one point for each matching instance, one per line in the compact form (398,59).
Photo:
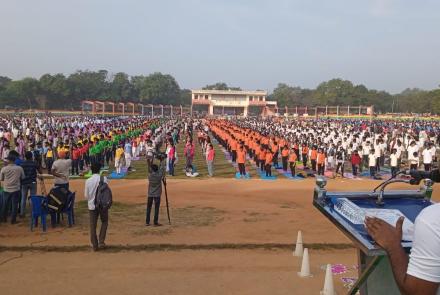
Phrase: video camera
(160,155)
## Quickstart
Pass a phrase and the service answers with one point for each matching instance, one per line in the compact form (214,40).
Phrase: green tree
(286,95)
(22,93)
(121,89)
(88,85)
(158,88)
(220,86)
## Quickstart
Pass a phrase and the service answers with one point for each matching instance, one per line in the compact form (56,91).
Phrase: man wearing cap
(60,170)
(11,176)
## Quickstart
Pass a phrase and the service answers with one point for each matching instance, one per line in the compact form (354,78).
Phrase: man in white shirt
(394,162)
(427,158)
(421,274)
(90,189)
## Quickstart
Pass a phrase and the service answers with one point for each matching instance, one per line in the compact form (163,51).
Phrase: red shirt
(76,153)
(355,159)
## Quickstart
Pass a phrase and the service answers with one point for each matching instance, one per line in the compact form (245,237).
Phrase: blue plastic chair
(68,209)
(39,210)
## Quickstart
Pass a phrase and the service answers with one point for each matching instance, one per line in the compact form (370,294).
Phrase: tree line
(342,92)
(66,92)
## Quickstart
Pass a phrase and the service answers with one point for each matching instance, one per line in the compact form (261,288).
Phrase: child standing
(320,160)
(355,162)
(292,162)
(210,155)
(394,162)
(241,159)
(414,161)
(284,157)
(372,163)
(268,162)
(118,159)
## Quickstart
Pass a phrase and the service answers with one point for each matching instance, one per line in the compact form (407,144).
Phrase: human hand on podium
(385,235)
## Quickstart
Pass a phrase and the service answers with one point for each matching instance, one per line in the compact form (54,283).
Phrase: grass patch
(131,218)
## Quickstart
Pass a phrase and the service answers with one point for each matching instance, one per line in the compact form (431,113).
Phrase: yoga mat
(238,176)
(115,175)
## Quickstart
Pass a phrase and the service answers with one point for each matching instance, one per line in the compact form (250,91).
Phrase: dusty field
(256,221)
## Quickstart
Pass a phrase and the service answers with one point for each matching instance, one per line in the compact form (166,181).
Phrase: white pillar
(326,110)
(211,109)
(245,112)
(348,110)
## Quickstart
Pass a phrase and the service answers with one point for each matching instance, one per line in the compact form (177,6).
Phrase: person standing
(128,154)
(241,159)
(29,183)
(155,179)
(119,153)
(90,192)
(427,158)
(268,163)
(355,162)
(75,152)
(262,158)
(320,160)
(189,152)
(171,158)
(49,158)
(210,156)
(394,162)
(11,176)
(149,152)
(304,154)
(284,157)
(366,147)
(313,156)
(372,163)
(340,161)
(60,170)
(292,162)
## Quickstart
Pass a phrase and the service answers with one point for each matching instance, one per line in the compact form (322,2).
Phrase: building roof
(230,92)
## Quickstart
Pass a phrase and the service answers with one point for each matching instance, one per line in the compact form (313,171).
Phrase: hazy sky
(383,44)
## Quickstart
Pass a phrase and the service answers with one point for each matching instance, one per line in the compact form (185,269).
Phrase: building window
(251,98)
(206,96)
(196,96)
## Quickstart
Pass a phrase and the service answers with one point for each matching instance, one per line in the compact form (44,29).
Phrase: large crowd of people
(321,145)
(68,146)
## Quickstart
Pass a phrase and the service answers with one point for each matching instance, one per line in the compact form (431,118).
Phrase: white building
(229,102)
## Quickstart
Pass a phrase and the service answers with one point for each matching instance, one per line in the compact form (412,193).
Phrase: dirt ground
(227,237)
